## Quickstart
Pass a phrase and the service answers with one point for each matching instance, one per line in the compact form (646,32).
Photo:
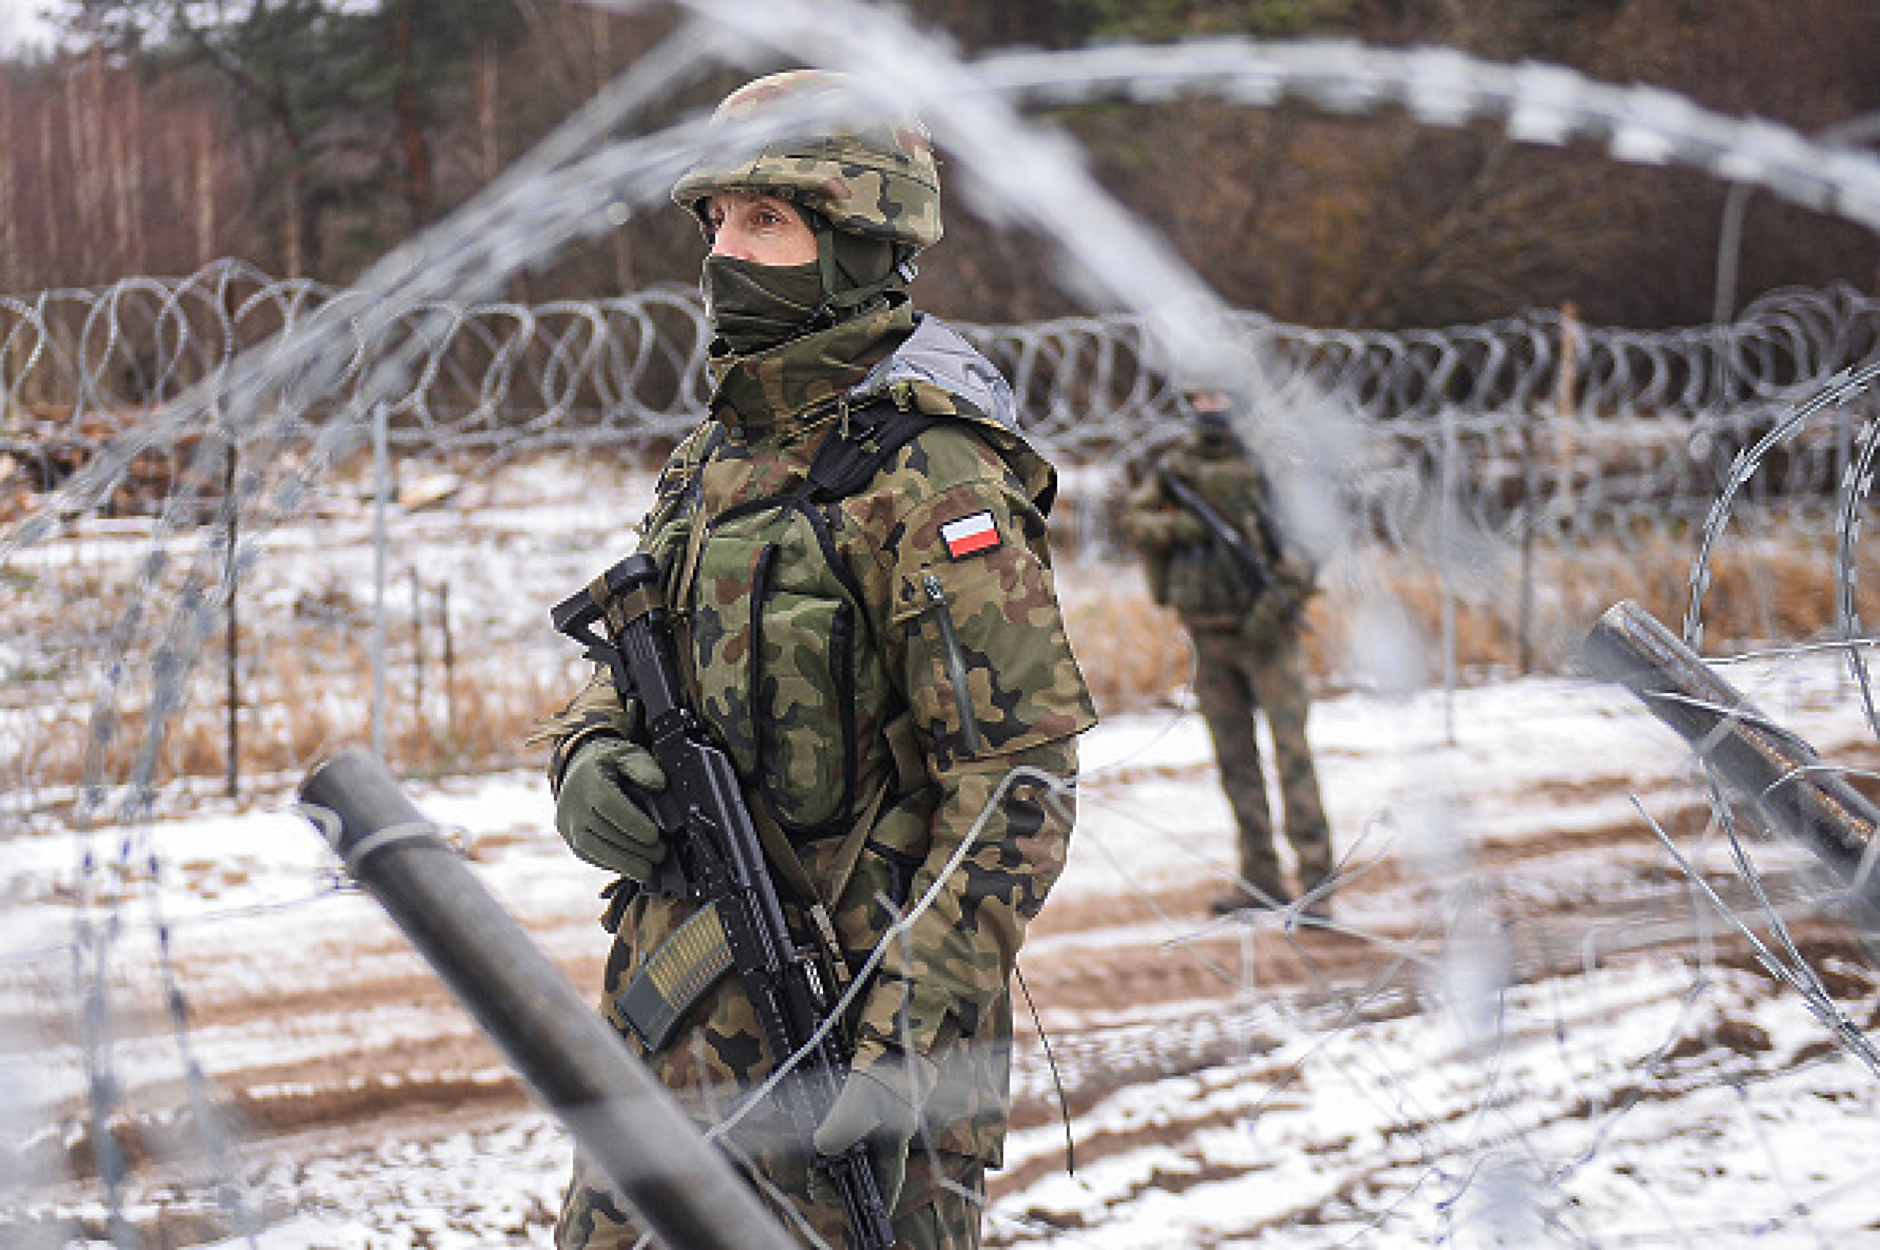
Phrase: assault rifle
(1253,569)
(709,830)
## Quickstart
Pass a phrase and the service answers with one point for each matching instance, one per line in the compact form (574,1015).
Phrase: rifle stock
(719,859)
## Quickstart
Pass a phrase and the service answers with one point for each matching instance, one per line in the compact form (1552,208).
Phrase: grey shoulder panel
(936,354)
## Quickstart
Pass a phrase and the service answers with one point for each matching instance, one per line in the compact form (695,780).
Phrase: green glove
(881,1106)
(597,811)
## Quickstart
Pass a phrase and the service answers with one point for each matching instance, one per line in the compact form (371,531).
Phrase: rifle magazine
(675,977)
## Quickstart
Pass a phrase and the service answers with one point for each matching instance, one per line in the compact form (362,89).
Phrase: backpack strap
(845,463)
(866,440)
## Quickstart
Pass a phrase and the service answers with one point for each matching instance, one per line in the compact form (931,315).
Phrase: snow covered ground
(1526,1029)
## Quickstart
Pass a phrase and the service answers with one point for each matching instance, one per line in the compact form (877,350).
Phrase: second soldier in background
(1206,526)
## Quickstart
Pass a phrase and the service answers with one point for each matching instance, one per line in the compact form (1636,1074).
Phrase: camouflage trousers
(940,1207)
(1236,677)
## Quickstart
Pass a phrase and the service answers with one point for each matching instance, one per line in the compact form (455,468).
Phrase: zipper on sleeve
(955,662)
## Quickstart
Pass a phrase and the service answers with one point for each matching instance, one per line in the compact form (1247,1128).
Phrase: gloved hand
(880,1105)
(597,814)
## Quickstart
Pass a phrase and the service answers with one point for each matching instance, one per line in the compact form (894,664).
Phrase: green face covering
(755,307)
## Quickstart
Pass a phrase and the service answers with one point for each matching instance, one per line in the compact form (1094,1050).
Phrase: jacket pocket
(776,672)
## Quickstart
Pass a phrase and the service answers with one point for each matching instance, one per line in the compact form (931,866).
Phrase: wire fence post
(450,664)
(381,505)
(1445,558)
(1566,398)
(421,723)
(1530,497)
(232,618)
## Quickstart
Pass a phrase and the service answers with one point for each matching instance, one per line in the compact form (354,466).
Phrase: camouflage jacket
(816,636)
(1185,567)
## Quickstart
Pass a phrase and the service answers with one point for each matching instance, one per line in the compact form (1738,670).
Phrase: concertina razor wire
(1532,427)
(134,522)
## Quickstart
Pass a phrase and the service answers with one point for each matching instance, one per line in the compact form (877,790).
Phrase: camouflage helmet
(876,178)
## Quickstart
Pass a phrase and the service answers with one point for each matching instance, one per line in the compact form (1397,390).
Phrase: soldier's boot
(1317,879)
(1260,888)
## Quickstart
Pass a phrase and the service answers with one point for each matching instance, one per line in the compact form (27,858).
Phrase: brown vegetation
(1136,653)
(307,695)
(141,153)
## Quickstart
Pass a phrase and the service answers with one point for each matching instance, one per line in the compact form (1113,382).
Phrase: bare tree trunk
(208,170)
(10,208)
(489,152)
(419,191)
(49,205)
(600,48)
(127,167)
(603,63)
(85,192)
(294,224)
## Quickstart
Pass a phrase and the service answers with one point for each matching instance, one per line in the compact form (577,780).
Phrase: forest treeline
(309,136)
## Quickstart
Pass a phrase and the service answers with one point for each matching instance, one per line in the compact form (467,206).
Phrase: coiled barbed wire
(235,396)
(225,397)
(80,368)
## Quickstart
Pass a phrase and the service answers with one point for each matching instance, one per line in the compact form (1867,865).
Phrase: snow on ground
(1553,1111)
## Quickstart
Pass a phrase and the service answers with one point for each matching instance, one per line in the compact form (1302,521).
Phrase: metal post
(1445,556)
(1801,796)
(381,504)
(450,659)
(421,722)
(1530,510)
(625,1122)
(231,622)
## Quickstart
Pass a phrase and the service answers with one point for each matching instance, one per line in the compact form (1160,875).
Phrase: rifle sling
(910,773)
(782,855)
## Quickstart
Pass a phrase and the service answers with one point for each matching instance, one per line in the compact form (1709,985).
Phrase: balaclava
(754,308)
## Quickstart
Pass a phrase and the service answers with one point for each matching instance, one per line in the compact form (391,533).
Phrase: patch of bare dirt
(1113,969)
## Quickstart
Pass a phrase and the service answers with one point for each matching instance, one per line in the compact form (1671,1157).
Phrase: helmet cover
(867,174)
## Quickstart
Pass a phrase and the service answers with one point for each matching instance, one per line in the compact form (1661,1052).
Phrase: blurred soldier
(1204,524)
(854,544)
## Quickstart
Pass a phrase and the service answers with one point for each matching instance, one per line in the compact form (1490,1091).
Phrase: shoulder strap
(867,440)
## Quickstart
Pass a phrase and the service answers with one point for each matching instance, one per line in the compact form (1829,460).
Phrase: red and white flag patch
(971,533)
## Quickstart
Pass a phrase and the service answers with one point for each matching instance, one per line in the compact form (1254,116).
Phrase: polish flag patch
(971,533)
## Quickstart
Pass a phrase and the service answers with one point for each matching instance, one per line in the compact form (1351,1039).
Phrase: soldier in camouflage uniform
(1248,656)
(884,661)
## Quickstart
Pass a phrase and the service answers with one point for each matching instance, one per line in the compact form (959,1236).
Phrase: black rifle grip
(719,853)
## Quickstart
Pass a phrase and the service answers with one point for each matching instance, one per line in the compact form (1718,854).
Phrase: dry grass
(1135,653)
(306,695)
(1131,651)
(306,687)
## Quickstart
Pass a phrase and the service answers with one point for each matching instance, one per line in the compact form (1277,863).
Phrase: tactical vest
(1202,581)
(776,634)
